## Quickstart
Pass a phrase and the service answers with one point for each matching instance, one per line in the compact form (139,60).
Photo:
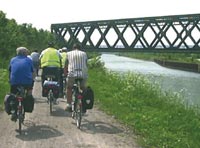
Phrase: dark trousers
(36,67)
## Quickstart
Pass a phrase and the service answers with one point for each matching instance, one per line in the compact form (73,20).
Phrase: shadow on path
(99,127)
(38,132)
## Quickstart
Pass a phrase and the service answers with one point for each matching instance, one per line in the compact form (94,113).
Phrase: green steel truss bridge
(176,33)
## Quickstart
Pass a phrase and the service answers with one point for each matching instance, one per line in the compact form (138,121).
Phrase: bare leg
(69,95)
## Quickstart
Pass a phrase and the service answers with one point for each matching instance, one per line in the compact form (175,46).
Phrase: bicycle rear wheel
(21,119)
(64,95)
(20,125)
(78,114)
(64,90)
(50,97)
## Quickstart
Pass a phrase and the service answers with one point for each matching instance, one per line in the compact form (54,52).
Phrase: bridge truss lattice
(172,33)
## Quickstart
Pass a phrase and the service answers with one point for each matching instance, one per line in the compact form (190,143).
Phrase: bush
(95,63)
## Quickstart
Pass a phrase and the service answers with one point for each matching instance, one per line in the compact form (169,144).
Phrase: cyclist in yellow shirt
(51,63)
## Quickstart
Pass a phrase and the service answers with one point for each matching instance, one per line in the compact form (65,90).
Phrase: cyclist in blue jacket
(21,71)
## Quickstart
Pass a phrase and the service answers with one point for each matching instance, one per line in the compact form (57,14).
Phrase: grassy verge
(4,86)
(159,120)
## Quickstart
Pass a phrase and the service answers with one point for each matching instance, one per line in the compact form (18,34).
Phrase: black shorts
(13,88)
(54,71)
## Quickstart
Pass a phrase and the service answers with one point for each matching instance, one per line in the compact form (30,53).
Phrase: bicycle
(20,96)
(52,89)
(64,87)
(77,102)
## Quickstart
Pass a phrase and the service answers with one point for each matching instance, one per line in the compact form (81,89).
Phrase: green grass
(159,120)
(4,86)
(178,57)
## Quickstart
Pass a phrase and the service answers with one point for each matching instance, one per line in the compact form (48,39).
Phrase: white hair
(22,51)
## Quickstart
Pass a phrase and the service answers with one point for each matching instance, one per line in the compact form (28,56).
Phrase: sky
(42,13)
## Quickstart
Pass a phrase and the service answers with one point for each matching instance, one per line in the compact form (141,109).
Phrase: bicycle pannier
(10,102)
(50,85)
(28,104)
(88,98)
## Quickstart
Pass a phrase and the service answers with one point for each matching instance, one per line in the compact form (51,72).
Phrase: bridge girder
(177,33)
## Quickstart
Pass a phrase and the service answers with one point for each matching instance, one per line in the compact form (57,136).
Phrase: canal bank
(193,67)
(148,117)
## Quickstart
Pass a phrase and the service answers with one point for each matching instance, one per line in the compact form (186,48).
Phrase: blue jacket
(21,70)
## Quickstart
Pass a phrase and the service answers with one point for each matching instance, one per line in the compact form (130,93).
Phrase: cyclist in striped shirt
(75,67)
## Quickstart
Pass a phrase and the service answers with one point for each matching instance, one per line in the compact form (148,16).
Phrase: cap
(64,49)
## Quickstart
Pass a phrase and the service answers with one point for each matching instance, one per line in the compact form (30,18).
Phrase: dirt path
(41,130)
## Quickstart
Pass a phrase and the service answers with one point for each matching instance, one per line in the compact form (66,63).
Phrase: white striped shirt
(77,64)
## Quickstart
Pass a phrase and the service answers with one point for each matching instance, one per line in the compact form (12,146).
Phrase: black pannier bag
(28,103)
(88,98)
(10,103)
(54,85)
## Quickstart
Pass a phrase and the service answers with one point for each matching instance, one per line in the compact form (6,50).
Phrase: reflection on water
(186,83)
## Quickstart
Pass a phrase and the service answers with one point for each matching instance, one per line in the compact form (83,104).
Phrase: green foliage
(4,86)
(14,35)
(158,119)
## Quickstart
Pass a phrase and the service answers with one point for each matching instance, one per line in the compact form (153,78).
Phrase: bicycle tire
(20,126)
(50,96)
(77,104)
(64,95)
(64,90)
(78,114)
(73,104)
(21,119)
